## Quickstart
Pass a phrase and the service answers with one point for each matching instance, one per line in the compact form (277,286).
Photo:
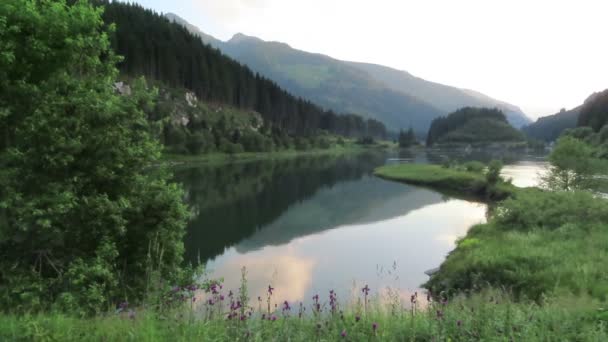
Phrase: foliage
(594,112)
(472,125)
(82,221)
(493,172)
(573,164)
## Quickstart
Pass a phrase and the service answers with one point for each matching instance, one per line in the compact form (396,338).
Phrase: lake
(313,224)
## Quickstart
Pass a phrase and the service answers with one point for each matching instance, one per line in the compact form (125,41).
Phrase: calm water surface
(314,224)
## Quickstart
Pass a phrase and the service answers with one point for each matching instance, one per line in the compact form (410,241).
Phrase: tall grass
(488,316)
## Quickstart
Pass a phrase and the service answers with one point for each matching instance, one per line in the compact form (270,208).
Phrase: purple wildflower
(273,318)
(357,318)
(286,306)
(270,289)
(210,302)
(365,290)
(222,297)
(343,334)
(375,326)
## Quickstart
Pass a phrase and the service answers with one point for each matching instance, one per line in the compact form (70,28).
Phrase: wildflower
(259,299)
(365,290)
(263,317)
(193,299)
(286,306)
(210,302)
(222,297)
(243,317)
(315,298)
(230,294)
(270,289)
(273,318)
(375,326)
(343,334)
(357,318)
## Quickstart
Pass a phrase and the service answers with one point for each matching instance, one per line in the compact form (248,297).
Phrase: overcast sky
(541,55)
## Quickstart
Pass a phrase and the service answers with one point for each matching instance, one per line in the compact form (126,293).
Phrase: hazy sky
(541,55)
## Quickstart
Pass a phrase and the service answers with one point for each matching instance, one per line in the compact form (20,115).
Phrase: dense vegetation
(154,47)
(472,126)
(594,112)
(82,223)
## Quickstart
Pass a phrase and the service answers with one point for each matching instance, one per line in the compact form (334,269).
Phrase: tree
(407,139)
(82,221)
(572,165)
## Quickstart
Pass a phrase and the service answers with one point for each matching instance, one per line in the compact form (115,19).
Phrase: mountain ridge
(396,97)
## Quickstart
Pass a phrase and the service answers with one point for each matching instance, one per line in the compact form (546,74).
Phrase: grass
(537,243)
(220,158)
(489,316)
(449,180)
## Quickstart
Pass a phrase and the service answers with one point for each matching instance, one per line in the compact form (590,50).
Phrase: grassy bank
(451,180)
(219,158)
(489,316)
(536,243)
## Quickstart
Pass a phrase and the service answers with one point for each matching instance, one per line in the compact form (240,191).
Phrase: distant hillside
(395,97)
(443,97)
(331,83)
(594,112)
(473,126)
(550,127)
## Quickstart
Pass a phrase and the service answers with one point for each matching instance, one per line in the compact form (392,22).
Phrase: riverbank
(220,158)
(449,180)
(536,243)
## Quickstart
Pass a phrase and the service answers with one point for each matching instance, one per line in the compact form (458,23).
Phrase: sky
(541,55)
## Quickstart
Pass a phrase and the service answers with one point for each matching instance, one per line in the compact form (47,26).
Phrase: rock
(191,99)
(122,88)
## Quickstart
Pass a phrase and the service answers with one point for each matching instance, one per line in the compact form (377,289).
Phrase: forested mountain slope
(161,50)
(550,127)
(395,97)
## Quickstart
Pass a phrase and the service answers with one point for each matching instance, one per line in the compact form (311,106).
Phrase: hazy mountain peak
(396,97)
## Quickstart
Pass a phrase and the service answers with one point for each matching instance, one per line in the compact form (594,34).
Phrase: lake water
(310,225)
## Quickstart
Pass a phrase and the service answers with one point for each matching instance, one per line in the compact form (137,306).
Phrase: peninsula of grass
(460,181)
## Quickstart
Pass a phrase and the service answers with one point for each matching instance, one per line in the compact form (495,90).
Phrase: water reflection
(309,225)
(354,254)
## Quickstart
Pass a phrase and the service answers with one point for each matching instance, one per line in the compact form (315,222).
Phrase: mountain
(472,125)
(331,83)
(169,53)
(395,97)
(549,128)
(443,97)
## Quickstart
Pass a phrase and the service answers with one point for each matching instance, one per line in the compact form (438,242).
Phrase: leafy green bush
(533,209)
